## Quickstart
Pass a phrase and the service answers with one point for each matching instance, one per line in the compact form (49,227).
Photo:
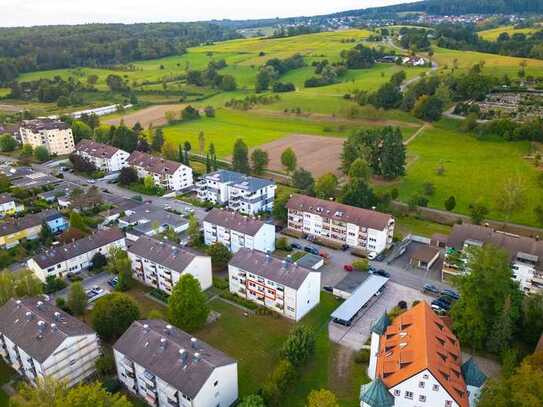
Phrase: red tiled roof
(95,149)
(153,164)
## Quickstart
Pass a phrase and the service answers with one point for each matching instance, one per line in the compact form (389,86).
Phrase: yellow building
(29,227)
(8,206)
(54,135)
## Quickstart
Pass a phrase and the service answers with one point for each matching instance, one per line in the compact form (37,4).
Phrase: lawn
(6,374)
(410,224)
(474,170)
(493,34)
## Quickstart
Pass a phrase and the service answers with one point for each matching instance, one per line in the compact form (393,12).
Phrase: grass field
(492,35)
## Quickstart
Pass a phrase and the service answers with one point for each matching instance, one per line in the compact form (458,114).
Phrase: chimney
(183,356)
(56,316)
(163,344)
(18,302)
(289,259)
(194,343)
(39,304)
(168,329)
(41,327)
(28,315)
(53,327)
(196,357)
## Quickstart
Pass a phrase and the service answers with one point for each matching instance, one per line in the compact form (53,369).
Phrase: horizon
(29,13)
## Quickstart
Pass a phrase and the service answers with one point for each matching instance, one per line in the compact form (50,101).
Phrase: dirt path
(153,115)
(414,136)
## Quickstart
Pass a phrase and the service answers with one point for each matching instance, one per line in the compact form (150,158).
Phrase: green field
(492,35)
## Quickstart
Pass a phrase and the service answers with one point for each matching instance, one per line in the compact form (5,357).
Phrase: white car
(372,255)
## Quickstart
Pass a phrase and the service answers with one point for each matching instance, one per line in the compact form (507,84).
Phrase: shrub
(360,265)
(227,295)
(362,356)
(282,244)
(220,283)
(299,345)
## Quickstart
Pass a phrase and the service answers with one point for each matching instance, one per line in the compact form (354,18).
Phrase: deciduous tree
(187,308)
(113,314)
(303,180)
(289,160)
(259,161)
(240,159)
(326,186)
(321,398)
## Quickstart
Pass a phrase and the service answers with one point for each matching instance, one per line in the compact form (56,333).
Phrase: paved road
(93,280)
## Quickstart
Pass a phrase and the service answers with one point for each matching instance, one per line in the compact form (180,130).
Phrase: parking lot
(403,262)
(358,333)
(99,280)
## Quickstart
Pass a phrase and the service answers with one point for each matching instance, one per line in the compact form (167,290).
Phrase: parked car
(328,288)
(442,304)
(348,268)
(451,293)
(296,246)
(430,288)
(97,290)
(371,270)
(438,309)
(345,247)
(372,255)
(382,273)
(311,250)
(324,255)
(380,257)
(113,282)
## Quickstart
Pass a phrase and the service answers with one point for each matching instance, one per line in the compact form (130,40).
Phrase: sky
(46,12)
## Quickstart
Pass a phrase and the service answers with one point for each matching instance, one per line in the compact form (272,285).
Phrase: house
(240,192)
(424,257)
(8,205)
(524,253)
(37,339)
(166,366)
(12,231)
(364,229)
(280,285)
(74,257)
(416,360)
(236,231)
(167,174)
(35,180)
(59,193)
(160,264)
(149,220)
(103,156)
(56,222)
(55,135)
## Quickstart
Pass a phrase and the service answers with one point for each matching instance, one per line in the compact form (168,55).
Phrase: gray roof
(309,260)
(280,271)
(157,165)
(35,180)
(16,172)
(58,254)
(352,281)
(44,124)
(242,181)
(359,298)
(22,328)
(62,189)
(95,149)
(167,254)
(235,221)
(5,198)
(149,213)
(15,225)
(141,343)
(473,376)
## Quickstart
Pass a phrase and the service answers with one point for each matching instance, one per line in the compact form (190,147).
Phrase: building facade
(167,367)
(161,264)
(168,174)
(280,285)
(8,205)
(103,156)
(241,193)
(148,220)
(416,360)
(12,231)
(54,135)
(75,257)
(236,231)
(358,228)
(37,339)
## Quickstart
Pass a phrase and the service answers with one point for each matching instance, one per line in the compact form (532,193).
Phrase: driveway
(356,335)
(94,280)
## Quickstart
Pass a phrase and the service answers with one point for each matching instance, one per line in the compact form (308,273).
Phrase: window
(435,387)
(422,398)
(397,393)
(448,403)
(425,376)
(73,362)
(409,395)
(421,385)
(216,383)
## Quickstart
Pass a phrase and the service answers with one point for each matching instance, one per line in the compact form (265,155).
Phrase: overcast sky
(45,12)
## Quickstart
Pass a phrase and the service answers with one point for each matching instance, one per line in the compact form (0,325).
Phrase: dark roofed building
(424,256)
(103,156)
(12,231)
(92,148)
(158,361)
(168,174)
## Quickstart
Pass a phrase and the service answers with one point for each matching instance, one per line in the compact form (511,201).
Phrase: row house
(358,228)
(103,156)
(168,174)
(12,231)
(280,285)
(149,220)
(77,256)
(524,253)
(416,360)
(38,339)
(167,367)
(55,135)
(9,206)
(160,264)
(240,192)
(237,231)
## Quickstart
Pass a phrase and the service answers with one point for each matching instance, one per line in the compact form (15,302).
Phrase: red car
(348,267)
(324,255)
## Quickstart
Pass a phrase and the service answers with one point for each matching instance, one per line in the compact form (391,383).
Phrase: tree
(532,318)
(303,180)
(358,193)
(321,398)
(388,96)
(259,161)
(116,83)
(41,154)
(81,130)
(27,150)
(360,169)
(77,299)
(201,142)
(512,196)
(220,255)
(361,265)
(187,308)
(189,113)
(7,143)
(289,160)
(157,140)
(113,314)
(127,176)
(98,261)
(228,83)
(194,230)
(262,81)
(299,345)
(77,222)
(148,183)
(119,263)
(477,212)
(213,157)
(168,151)
(450,203)
(428,108)
(209,111)
(253,400)
(240,159)
(502,330)
(105,364)
(326,186)
(19,284)
(5,183)
(279,210)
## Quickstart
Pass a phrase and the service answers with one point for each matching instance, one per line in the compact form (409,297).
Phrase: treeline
(211,77)
(27,49)
(273,69)
(295,30)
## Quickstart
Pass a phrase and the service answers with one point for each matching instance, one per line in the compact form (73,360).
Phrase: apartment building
(237,231)
(167,367)
(358,228)
(8,205)
(168,174)
(149,220)
(12,231)
(241,193)
(55,135)
(524,253)
(103,156)
(415,360)
(161,264)
(37,339)
(280,285)
(76,256)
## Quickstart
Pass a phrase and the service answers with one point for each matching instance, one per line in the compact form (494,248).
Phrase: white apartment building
(77,256)
(240,192)
(161,264)
(103,156)
(37,339)
(237,231)
(280,285)
(168,174)
(415,360)
(525,254)
(167,367)
(54,135)
(357,228)
(8,205)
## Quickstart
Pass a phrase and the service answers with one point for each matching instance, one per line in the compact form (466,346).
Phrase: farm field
(492,35)
(153,115)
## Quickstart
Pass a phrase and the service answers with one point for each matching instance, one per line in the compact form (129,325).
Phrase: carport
(347,311)
(424,257)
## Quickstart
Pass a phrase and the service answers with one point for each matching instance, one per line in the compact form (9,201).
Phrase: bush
(53,284)
(111,384)
(159,295)
(282,244)
(105,364)
(299,345)
(220,283)
(362,356)
(227,295)
(361,265)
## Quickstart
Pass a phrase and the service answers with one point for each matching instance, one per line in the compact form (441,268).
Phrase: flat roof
(359,298)
(309,260)
(352,281)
